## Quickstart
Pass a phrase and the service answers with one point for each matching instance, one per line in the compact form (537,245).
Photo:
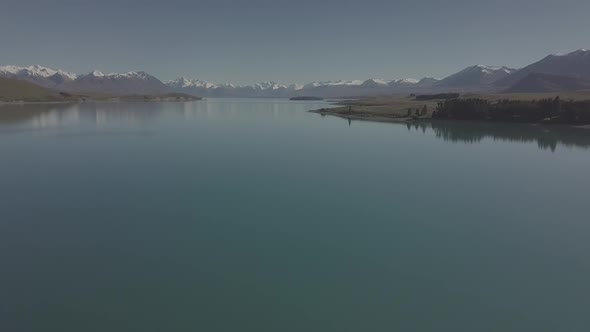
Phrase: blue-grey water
(255,215)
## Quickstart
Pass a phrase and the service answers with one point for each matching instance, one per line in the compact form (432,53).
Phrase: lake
(255,215)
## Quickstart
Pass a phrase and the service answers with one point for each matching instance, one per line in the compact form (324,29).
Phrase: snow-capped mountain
(269,86)
(339,88)
(404,81)
(207,89)
(295,87)
(372,82)
(182,82)
(134,82)
(375,83)
(34,71)
(43,76)
(136,75)
(95,82)
(332,83)
(476,77)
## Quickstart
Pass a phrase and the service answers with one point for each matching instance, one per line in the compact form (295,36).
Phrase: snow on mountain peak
(270,85)
(582,51)
(35,71)
(378,81)
(183,82)
(179,82)
(97,73)
(131,75)
(134,74)
(333,83)
(492,69)
(406,81)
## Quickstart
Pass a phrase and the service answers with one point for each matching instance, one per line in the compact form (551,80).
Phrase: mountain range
(560,72)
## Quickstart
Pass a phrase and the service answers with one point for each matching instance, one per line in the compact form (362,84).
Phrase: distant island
(306,98)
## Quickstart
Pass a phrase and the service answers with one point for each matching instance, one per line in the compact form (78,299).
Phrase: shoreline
(428,119)
(369,117)
(508,110)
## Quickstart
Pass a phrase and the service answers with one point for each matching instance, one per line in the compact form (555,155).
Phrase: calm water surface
(254,215)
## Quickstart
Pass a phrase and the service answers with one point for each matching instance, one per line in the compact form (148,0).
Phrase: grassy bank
(568,108)
(386,109)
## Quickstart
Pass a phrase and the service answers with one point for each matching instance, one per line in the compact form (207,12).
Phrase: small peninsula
(569,108)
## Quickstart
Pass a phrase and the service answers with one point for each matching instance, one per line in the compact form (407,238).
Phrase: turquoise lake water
(255,215)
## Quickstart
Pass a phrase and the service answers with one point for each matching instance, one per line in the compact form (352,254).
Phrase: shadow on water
(547,137)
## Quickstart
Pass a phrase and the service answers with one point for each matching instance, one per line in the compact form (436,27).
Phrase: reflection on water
(60,115)
(546,137)
(16,118)
(37,116)
(230,215)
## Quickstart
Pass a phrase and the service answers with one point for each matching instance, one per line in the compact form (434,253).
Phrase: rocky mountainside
(538,82)
(574,64)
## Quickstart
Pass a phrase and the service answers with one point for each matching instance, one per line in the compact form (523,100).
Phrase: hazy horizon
(244,43)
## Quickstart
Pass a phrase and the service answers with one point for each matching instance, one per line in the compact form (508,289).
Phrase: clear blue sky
(288,41)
